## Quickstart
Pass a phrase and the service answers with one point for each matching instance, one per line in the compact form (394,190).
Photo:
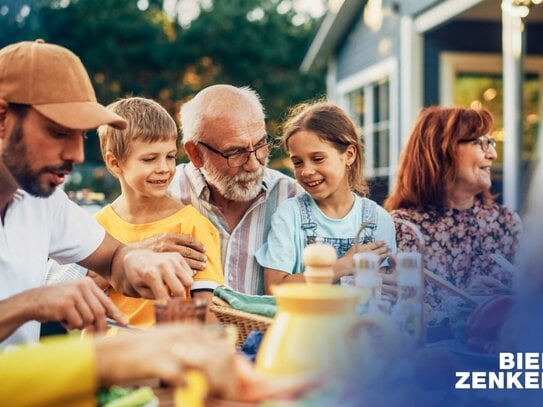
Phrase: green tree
(248,42)
(133,47)
(143,52)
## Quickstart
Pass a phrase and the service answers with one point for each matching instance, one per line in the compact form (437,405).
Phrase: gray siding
(359,50)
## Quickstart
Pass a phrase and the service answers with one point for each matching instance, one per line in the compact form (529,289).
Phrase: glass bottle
(366,277)
(408,310)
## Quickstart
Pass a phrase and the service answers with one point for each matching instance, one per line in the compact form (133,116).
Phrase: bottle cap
(319,254)
(408,260)
(366,261)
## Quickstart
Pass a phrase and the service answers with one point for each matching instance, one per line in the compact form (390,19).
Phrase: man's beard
(16,160)
(239,188)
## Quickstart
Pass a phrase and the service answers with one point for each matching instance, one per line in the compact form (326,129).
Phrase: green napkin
(264,305)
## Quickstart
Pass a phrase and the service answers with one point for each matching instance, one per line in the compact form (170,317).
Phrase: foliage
(128,51)
(264,53)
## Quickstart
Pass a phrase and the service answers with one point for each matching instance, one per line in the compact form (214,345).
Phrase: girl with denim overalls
(327,156)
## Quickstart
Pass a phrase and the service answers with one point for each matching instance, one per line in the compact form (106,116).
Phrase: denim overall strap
(369,221)
(368,226)
(308,224)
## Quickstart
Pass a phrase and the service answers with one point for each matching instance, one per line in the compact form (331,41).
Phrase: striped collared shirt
(238,246)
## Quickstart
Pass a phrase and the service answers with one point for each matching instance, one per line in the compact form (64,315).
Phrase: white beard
(239,188)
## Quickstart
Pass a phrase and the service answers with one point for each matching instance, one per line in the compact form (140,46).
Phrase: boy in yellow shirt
(142,158)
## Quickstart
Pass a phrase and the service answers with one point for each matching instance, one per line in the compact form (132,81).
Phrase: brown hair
(147,121)
(331,124)
(431,154)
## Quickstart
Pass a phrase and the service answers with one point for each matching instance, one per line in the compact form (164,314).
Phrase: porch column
(513,78)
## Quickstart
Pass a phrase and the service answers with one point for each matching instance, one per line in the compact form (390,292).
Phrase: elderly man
(46,104)
(227,180)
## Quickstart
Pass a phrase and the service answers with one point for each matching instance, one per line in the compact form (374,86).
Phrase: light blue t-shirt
(286,240)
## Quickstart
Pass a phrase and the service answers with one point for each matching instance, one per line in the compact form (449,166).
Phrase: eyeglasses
(483,141)
(240,158)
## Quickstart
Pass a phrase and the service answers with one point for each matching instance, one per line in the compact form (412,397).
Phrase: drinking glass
(180,309)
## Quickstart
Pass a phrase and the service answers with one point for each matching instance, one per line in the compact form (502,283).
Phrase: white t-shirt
(35,229)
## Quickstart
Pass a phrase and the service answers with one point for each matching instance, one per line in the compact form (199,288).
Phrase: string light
(519,8)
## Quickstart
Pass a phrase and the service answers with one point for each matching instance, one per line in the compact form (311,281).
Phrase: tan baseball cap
(53,81)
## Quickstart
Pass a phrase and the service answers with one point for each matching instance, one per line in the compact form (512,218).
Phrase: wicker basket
(245,322)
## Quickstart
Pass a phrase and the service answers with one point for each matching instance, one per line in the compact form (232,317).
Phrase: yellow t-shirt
(188,221)
(58,372)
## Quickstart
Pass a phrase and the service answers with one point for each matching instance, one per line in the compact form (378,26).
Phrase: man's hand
(77,304)
(168,352)
(187,246)
(145,273)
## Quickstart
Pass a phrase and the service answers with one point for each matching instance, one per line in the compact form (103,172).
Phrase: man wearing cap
(46,104)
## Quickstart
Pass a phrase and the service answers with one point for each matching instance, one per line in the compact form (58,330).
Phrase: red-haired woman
(443,187)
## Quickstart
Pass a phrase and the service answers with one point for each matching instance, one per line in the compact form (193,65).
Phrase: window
(371,98)
(369,107)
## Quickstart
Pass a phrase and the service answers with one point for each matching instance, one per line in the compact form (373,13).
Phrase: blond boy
(142,158)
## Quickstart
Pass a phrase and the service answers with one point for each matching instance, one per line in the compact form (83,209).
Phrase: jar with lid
(409,310)
(366,277)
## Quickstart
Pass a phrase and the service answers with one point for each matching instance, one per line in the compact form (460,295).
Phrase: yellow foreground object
(195,391)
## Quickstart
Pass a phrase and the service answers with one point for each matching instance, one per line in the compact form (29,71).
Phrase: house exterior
(387,59)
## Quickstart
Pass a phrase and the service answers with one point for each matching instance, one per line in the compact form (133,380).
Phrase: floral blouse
(459,242)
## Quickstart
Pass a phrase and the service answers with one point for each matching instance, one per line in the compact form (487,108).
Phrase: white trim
(318,42)
(513,74)
(441,13)
(411,76)
(539,156)
(331,74)
(394,136)
(380,70)
(369,129)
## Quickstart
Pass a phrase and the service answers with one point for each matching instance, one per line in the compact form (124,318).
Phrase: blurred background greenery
(168,50)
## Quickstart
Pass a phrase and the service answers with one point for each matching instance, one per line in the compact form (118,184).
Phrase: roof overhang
(331,31)
(442,12)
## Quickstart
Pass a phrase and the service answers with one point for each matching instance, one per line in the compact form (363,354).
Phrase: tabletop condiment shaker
(366,277)
(408,311)
(319,260)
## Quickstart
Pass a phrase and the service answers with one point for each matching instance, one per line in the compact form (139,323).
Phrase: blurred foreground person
(46,105)
(443,187)
(67,372)
(523,329)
